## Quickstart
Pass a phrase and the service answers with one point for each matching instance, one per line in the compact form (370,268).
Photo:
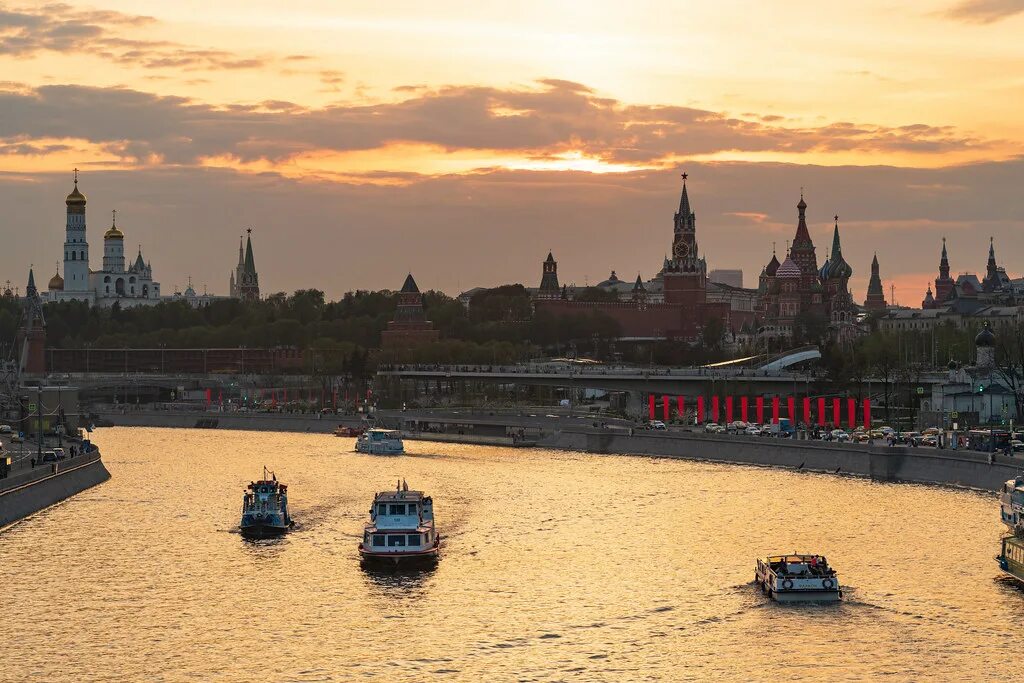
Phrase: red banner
(665,403)
(650,406)
(728,408)
(821,411)
(700,410)
(791,406)
(714,409)
(867,413)
(743,408)
(209,396)
(775,409)
(807,410)
(836,412)
(759,408)
(681,404)
(851,412)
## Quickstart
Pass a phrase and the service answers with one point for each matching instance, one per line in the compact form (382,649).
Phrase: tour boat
(342,430)
(401,528)
(265,508)
(1011,557)
(380,442)
(798,578)
(1011,504)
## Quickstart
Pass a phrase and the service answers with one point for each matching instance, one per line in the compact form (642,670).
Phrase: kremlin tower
(876,295)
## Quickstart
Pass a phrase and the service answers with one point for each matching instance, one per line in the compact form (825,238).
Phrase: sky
(462,140)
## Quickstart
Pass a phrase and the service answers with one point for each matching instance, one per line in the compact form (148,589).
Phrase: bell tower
(76,248)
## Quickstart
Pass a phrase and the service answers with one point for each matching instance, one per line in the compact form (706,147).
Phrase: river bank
(904,464)
(28,490)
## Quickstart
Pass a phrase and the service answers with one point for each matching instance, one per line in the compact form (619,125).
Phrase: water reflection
(401,577)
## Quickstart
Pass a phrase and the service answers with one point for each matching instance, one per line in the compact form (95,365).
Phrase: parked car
(752,430)
(736,426)
(713,428)
(839,435)
(659,425)
(930,440)
(49,456)
(1017,446)
(59,452)
(6,429)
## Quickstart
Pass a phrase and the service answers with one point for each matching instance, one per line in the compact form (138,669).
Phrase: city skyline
(356,164)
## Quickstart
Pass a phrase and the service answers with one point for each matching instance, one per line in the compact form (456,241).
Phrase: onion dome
(788,269)
(56,283)
(825,270)
(802,205)
(952,365)
(113,233)
(985,337)
(76,198)
(840,269)
(773,266)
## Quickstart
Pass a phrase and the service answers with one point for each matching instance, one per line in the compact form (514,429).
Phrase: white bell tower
(76,248)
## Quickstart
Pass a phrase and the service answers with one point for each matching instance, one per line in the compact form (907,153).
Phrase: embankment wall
(41,487)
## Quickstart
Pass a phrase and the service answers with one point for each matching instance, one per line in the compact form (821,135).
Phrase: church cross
(76,176)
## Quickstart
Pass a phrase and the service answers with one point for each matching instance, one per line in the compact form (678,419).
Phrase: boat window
(397,509)
(414,539)
(378,539)
(382,509)
(412,510)
(396,539)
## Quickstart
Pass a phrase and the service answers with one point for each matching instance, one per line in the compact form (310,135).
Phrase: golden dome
(113,233)
(56,282)
(76,198)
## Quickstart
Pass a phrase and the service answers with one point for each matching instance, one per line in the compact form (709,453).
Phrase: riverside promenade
(970,469)
(28,489)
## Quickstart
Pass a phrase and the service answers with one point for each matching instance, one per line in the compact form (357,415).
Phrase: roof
(398,496)
(788,269)
(410,285)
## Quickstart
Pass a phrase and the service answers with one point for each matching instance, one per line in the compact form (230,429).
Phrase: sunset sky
(462,140)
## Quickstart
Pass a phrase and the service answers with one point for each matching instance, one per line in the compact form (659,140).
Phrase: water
(556,566)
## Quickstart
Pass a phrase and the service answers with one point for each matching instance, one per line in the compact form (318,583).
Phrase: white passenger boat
(1011,504)
(380,442)
(401,528)
(798,578)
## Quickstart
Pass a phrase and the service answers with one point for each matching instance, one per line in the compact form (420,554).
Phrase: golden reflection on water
(555,566)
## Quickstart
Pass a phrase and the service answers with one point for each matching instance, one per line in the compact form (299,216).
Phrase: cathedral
(130,285)
(125,282)
(798,289)
(967,292)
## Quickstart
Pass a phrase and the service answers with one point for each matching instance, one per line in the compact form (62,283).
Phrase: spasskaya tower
(685,273)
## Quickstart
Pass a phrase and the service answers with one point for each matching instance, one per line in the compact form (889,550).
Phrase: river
(555,566)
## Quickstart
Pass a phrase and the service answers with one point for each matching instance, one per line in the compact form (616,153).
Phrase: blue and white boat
(380,442)
(401,528)
(265,508)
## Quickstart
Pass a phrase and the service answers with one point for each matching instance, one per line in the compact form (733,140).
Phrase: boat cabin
(401,521)
(802,566)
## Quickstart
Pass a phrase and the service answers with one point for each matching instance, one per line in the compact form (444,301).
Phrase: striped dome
(789,268)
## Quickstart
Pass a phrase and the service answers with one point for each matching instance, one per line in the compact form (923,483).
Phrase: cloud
(554,119)
(61,28)
(985,11)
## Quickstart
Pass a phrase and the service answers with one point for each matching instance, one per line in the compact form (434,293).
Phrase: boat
(401,528)
(343,430)
(1011,557)
(380,442)
(265,508)
(1011,504)
(798,578)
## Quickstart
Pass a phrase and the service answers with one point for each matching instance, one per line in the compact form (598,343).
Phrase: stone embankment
(28,490)
(881,463)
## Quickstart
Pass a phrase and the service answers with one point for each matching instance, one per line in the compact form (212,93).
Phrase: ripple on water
(554,566)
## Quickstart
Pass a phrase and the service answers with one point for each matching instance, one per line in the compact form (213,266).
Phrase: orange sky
(356,95)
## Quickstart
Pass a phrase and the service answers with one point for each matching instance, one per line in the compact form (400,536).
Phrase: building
(982,394)
(726,276)
(875,300)
(114,282)
(410,326)
(799,288)
(674,304)
(967,292)
(30,342)
(245,281)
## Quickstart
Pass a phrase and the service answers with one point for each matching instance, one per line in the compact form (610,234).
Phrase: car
(49,456)
(17,438)
(736,426)
(59,452)
(658,424)
(839,435)
(1017,445)
(752,430)
(930,440)
(6,429)
(713,428)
